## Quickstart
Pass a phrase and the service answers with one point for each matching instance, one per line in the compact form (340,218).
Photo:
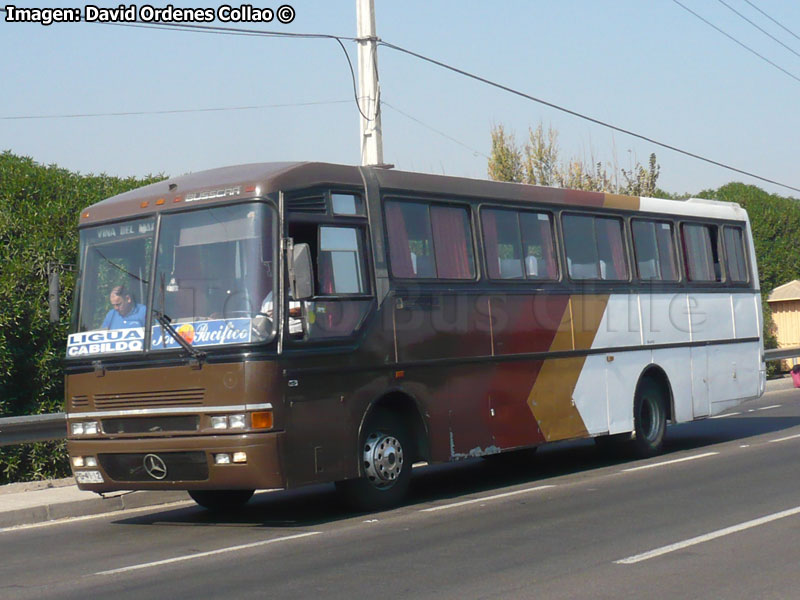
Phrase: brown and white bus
(277,325)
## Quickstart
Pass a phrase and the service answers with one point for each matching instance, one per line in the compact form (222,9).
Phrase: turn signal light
(262,420)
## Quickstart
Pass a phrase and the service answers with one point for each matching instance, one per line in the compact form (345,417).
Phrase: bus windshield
(214,272)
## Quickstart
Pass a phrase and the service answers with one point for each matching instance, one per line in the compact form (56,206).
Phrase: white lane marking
(733,414)
(114,513)
(167,561)
(487,498)
(669,462)
(708,537)
(783,439)
(770,407)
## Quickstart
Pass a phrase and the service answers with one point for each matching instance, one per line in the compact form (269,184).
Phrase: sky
(644,65)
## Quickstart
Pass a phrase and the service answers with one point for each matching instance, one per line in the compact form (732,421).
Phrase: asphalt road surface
(716,516)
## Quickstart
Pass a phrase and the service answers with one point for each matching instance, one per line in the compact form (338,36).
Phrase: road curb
(93,505)
(781,383)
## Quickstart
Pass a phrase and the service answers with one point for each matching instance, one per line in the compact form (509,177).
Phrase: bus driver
(125,312)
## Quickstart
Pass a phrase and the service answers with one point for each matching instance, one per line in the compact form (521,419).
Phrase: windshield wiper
(164,321)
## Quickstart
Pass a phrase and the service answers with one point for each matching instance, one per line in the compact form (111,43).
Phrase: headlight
(85,428)
(84,461)
(237,421)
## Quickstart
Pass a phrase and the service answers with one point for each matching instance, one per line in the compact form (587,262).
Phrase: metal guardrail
(40,428)
(33,428)
(781,353)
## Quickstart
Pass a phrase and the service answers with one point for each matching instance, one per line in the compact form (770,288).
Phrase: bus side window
(408,227)
(700,249)
(537,242)
(595,248)
(734,254)
(502,243)
(341,263)
(654,250)
(340,303)
(429,241)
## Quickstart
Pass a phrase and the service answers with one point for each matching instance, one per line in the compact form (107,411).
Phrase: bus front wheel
(386,462)
(649,418)
(221,500)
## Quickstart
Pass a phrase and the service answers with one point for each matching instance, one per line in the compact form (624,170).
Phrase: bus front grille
(80,401)
(170,466)
(157,424)
(150,399)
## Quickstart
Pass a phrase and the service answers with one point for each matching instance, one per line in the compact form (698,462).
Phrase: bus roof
(226,183)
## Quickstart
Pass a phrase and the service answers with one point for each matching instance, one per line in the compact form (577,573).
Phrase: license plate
(88,477)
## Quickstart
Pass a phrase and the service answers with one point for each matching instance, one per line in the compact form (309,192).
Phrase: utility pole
(369,100)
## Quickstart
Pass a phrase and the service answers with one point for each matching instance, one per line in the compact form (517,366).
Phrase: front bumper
(263,469)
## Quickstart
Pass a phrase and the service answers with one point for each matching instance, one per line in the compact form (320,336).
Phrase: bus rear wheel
(386,462)
(221,500)
(649,418)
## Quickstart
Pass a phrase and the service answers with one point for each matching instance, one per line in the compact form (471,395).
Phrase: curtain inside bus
(452,247)
(399,252)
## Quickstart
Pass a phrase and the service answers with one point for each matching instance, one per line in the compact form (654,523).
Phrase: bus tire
(221,500)
(385,452)
(649,418)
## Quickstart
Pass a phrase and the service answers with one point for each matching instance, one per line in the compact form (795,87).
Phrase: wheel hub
(383,459)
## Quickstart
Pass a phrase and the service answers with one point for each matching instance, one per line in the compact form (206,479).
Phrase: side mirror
(301,273)
(54,286)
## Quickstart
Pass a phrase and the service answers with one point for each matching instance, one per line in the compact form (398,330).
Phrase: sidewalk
(40,501)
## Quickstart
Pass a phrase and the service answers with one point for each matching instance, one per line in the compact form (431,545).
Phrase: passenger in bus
(125,312)
(295,313)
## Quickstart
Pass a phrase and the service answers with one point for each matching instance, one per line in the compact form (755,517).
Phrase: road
(716,516)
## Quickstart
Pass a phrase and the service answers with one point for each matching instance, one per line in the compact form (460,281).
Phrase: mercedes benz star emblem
(155,466)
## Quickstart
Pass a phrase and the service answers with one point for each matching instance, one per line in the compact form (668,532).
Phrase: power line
(219,30)
(256,32)
(170,112)
(584,117)
(762,30)
(730,37)
(773,20)
(444,135)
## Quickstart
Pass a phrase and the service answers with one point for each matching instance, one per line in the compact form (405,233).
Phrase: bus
(269,326)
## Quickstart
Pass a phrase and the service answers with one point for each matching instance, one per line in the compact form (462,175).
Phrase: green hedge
(39,211)
(775,221)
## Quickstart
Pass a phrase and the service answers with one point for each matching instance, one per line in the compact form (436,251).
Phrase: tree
(538,163)
(505,163)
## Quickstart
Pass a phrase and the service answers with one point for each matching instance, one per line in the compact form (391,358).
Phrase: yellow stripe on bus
(619,201)
(550,399)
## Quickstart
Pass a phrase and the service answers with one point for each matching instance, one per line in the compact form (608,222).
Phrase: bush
(38,225)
